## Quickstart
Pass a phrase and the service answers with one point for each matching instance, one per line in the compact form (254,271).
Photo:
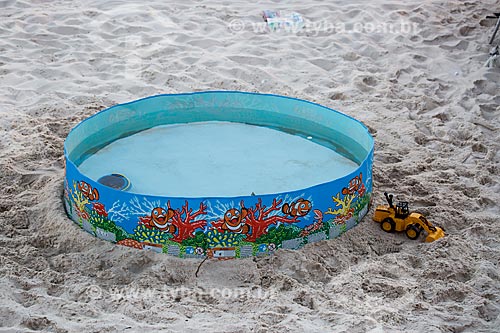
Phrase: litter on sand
(283,20)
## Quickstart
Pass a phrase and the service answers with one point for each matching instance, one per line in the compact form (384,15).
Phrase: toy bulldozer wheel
(388,225)
(413,231)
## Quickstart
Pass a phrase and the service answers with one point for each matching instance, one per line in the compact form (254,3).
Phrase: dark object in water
(116,181)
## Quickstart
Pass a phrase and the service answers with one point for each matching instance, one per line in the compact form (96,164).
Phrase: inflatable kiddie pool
(221,174)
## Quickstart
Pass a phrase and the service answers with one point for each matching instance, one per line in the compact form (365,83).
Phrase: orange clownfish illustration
(234,221)
(355,185)
(87,191)
(160,219)
(299,208)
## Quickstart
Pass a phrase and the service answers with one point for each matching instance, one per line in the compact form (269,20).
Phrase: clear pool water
(215,158)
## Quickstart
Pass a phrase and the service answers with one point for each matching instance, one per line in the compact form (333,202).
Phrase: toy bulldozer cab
(402,209)
(399,218)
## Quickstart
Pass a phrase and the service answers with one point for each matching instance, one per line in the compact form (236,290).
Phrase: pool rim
(368,155)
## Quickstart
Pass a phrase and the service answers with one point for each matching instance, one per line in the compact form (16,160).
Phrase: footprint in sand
(489,111)
(38,323)
(440,39)
(325,64)
(419,58)
(338,96)
(370,81)
(466,30)
(485,87)
(351,56)
(366,83)
(416,39)
(387,159)
(253,61)
(479,148)
(453,46)
(442,116)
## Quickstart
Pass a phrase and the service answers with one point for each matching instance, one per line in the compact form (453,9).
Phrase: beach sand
(418,82)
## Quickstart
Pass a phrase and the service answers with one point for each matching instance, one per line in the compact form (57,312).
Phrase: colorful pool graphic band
(219,227)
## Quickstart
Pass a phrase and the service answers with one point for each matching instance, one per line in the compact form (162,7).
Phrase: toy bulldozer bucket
(434,235)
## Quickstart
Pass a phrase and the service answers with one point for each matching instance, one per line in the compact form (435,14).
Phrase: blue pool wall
(125,217)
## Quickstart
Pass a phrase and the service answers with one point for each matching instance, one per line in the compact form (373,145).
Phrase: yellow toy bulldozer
(398,218)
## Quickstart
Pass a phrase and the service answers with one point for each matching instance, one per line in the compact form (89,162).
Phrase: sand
(423,92)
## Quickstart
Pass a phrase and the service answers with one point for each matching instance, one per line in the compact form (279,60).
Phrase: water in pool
(216,159)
